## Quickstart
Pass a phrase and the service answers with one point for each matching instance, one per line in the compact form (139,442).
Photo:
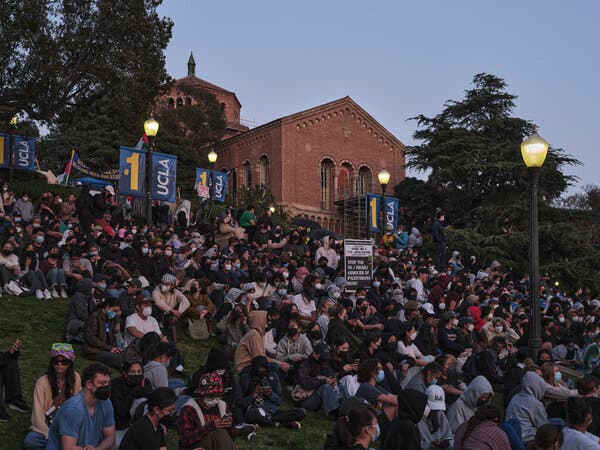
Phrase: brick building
(318,162)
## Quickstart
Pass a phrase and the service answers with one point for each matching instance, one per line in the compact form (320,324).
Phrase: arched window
(364,180)
(248,174)
(188,101)
(179,102)
(263,168)
(345,181)
(171,103)
(326,183)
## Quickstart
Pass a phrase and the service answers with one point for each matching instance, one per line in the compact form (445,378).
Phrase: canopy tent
(95,183)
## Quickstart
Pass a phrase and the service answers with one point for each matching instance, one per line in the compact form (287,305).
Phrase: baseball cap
(436,400)
(323,350)
(143,299)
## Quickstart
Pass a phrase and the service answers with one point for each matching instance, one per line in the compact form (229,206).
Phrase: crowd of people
(432,354)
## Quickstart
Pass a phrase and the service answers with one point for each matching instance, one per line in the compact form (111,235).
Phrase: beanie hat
(210,384)
(216,359)
(168,278)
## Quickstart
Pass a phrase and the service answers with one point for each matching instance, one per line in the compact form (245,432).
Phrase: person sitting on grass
(482,431)
(205,422)
(11,393)
(126,393)
(100,334)
(51,390)
(81,306)
(86,420)
(259,397)
(355,431)
(148,432)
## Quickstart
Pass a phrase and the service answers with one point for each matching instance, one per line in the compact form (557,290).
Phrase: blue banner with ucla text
(220,188)
(24,153)
(132,172)
(4,150)
(391,212)
(373,212)
(164,177)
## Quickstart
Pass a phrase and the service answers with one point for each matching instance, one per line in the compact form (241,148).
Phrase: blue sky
(400,58)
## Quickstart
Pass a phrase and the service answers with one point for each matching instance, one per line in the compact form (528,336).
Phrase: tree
(472,152)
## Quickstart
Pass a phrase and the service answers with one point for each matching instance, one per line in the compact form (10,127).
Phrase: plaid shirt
(191,431)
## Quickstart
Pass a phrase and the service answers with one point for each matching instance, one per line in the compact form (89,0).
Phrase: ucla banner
(4,150)
(202,177)
(220,188)
(24,153)
(373,208)
(132,169)
(391,212)
(164,177)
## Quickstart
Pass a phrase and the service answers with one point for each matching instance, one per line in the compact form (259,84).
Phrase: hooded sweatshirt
(464,408)
(82,303)
(527,406)
(252,343)
(402,432)
(327,252)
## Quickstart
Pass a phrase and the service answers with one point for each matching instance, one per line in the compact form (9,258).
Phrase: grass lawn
(39,323)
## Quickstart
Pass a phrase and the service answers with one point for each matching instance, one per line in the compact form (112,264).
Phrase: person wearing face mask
(260,397)
(293,348)
(448,334)
(305,301)
(100,340)
(467,336)
(477,394)
(24,208)
(434,429)
(205,422)
(427,377)
(403,432)
(86,420)
(81,305)
(556,392)
(141,322)
(317,383)
(149,432)
(126,393)
(171,302)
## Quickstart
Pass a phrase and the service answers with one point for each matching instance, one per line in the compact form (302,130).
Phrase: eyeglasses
(60,362)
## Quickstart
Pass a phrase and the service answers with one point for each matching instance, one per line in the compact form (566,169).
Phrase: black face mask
(102,392)
(292,332)
(134,380)
(7,252)
(314,335)
(481,402)
(168,421)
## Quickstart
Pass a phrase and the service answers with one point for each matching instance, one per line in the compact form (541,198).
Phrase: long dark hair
(349,427)
(69,379)
(483,413)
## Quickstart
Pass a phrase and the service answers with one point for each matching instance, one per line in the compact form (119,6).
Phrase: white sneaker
(55,293)
(39,294)
(14,288)
(47,294)
(63,293)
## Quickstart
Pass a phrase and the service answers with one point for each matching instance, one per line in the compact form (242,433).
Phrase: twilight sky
(400,58)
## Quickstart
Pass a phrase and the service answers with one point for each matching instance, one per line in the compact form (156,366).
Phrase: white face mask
(168,252)
(413,336)
(210,402)
(286,275)
(147,311)
(454,322)
(442,306)
(499,329)
(490,316)
(164,288)
(318,286)
(561,319)
(221,372)
(228,267)
(470,327)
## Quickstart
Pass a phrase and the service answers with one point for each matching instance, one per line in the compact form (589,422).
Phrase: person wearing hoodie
(259,396)
(252,344)
(403,432)
(434,429)
(80,307)
(24,208)
(527,406)
(414,239)
(326,251)
(477,394)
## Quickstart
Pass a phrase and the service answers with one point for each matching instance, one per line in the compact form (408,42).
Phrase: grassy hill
(39,323)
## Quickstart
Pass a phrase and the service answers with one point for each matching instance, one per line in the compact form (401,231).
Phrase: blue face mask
(557,376)
(110,314)
(432,382)
(380,376)
(377,433)
(376,284)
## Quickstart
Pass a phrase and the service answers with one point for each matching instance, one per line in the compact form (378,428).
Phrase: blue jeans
(326,397)
(35,441)
(56,277)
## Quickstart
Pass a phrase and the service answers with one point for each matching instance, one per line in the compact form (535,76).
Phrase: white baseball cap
(436,399)
(428,307)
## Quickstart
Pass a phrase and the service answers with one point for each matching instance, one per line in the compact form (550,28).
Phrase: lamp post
(150,128)
(534,150)
(384,178)
(212,159)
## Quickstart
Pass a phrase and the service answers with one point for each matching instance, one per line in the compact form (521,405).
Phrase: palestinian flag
(143,143)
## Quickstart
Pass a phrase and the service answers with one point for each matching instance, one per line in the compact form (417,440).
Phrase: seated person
(294,347)
(81,306)
(205,422)
(100,339)
(477,394)
(434,429)
(74,426)
(170,304)
(51,390)
(55,274)
(260,398)
(427,377)
(148,432)
(126,393)
(575,433)
(32,277)
(233,326)
(317,382)
(370,372)
(355,431)
(127,297)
